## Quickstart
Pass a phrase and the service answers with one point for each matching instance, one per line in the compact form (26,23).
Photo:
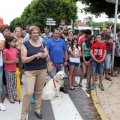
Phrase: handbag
(48,62)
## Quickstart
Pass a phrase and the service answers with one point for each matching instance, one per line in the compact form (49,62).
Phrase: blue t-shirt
(86,50)
(56,50)
(45,37)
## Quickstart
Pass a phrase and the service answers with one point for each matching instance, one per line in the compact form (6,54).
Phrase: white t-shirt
(74,59)
(1,59)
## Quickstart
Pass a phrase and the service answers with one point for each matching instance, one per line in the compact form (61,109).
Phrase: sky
(10,9)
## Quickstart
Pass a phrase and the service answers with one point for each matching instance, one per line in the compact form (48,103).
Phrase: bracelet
(66,61)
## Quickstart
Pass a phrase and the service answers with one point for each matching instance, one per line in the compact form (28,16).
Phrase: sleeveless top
(36,64)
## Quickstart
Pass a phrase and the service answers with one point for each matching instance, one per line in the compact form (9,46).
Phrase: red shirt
(98,50)
(81,40)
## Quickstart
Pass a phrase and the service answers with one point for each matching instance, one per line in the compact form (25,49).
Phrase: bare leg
(74,75)
(70,75)
(83,72)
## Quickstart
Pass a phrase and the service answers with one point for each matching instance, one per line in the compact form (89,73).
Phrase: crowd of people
(29,48)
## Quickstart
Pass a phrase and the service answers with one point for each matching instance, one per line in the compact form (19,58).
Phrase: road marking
(64,109)
(84,81)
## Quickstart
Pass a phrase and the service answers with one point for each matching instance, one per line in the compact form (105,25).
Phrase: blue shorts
(74,64)
(56,68)
(107,61)
(97,67)
(1,78)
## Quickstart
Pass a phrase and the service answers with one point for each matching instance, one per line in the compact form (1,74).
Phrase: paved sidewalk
(109,99)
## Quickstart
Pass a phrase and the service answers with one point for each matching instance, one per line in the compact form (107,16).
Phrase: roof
(82,24)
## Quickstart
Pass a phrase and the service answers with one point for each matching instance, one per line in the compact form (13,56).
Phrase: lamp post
(115,21)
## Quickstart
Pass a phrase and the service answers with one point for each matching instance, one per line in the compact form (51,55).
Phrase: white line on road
(64,109)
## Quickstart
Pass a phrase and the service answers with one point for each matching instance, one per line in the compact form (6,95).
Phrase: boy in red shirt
(98,53)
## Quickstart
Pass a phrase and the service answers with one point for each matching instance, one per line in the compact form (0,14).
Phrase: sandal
(109,79)
(11,100)
(76,86)
(17,100)
(72,88)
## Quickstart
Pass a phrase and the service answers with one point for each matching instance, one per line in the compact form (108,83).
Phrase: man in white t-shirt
(2,42)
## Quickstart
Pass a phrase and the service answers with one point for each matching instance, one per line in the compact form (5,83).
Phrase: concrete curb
(98,106)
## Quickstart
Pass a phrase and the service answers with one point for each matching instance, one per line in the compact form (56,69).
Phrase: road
(76,105)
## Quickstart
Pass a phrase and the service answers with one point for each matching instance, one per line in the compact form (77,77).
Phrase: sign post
(50,22)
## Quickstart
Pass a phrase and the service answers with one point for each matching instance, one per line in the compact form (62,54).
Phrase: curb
(97,105)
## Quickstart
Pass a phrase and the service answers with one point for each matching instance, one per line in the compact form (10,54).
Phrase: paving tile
(110,98)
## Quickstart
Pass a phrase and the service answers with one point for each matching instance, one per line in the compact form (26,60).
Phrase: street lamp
(115,21)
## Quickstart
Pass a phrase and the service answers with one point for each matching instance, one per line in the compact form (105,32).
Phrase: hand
(41,55)
(16,60)
(65,63)
(98,61)
(86,62)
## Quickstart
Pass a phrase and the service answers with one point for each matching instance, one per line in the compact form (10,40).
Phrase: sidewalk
(107,102)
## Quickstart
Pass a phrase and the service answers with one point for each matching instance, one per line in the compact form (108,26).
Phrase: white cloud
(10,9)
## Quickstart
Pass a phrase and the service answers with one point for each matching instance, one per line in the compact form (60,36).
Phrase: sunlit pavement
(110,98)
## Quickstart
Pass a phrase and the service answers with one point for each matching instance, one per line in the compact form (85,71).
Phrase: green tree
(39,10)
(97,7)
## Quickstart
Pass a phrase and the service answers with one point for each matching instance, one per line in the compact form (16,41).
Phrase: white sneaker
(2,108)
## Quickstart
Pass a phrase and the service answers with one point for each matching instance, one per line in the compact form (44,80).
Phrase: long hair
(72,43)
(88,41)
(8,40)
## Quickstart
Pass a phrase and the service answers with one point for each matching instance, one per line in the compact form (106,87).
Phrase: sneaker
(32,100)
(62,89)
(101,87)
(93,86)
(2,108)
(80,84)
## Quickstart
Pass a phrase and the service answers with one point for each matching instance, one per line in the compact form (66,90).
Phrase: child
(86,63)
(98,53)
(10,59)
(75,53)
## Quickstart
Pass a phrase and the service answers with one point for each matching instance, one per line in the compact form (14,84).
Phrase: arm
(110,41)
(103,56)
(91,52)
(66,56)
(26,59)
(72,53)
(2,45)
(9,62)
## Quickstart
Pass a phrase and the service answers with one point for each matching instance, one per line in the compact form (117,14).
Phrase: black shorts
(117,61)
(86,59)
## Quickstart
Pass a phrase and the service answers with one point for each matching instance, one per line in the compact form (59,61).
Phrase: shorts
(86,58)
(56,68)
(117,61)
(74,64)
(107,61)
(97,68)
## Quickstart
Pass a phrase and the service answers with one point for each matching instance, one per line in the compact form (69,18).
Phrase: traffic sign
(50,21)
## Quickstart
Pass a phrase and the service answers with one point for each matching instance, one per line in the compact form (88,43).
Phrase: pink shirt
(11,54)
(81,40)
